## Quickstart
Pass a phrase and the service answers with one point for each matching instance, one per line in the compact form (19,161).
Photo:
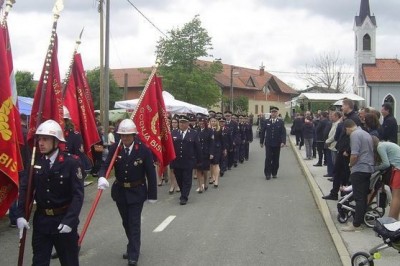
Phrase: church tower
(365,44)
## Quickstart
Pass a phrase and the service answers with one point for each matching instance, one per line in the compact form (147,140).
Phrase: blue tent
(25,105)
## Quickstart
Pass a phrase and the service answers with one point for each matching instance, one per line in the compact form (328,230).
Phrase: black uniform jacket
(139,165)
(187,150)
(57,187)
(273,134)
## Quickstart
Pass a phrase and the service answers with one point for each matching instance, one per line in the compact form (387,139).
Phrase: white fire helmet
(66,113)
(50,128)
(127,127)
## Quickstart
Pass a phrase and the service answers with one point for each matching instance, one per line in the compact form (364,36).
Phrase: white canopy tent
(329,97)
(172,105)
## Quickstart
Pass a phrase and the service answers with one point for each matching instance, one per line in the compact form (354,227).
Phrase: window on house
(367,43)
(262,109)
(256,109)
(356,43)
(250,83)
(389,99)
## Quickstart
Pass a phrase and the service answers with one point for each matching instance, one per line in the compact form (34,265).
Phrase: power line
(143,15)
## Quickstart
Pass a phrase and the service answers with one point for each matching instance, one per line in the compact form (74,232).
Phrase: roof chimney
(262,69)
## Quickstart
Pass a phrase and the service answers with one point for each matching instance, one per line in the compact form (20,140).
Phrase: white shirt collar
(53,157)
(130,147)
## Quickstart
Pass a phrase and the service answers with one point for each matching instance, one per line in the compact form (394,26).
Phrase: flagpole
(9,5)
(58,7)
(67,76)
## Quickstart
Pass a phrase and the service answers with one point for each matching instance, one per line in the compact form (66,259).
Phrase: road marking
(164,224)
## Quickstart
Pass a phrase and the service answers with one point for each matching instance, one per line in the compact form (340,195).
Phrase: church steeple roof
(365,12)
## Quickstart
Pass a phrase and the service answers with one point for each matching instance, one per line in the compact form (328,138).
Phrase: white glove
(21,224)
(152,201)
(102,183)
(64,228)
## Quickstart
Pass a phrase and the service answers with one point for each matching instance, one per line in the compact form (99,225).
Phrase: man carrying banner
(58,186)
(133,165)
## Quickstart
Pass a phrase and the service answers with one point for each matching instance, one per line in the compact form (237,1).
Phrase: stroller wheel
(343,217)
(362,258)
(370,217)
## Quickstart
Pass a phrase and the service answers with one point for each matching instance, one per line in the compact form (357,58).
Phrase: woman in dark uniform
(203,166)
(217,150)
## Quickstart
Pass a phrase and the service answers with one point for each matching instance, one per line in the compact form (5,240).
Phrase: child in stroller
(377,201)
(386,228)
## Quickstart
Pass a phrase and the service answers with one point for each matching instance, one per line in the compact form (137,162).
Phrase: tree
(116,93)
(240,104)
(184,76)
(26,86)
(328,70)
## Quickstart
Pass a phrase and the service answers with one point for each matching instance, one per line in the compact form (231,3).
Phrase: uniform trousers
(184,180)
(66,245)
(242,152)
(223,163)
(341,172)
(360,182)
(131,220)
(271,165)
(246,150)
(231,155)
(236,150)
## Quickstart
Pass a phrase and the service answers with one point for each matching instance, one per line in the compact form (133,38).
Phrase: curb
(323,208)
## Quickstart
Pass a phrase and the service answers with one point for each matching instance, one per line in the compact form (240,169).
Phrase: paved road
(246,221)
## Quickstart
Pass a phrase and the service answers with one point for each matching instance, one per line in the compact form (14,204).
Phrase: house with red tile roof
(260,87)
(376,80)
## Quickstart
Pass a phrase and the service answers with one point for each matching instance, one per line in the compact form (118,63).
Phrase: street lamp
(231,91)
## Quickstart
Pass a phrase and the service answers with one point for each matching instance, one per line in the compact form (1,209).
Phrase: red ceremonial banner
(152,124)
(78,100)
(53,102)
(9,146)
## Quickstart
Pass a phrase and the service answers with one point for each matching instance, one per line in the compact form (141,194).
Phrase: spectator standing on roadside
(361,166)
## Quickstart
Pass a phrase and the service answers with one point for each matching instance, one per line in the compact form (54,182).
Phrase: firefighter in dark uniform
(58,192)
(134,163)
(233,130)
(273,135)
(237,140)
(188,154)
(243,138)
(227,140)
(249,137)
(74,142)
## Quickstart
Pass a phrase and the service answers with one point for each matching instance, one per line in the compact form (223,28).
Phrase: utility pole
(107,73)
(338,82)
(231,103)
(101,61)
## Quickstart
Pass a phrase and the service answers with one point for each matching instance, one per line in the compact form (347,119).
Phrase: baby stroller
(389,230)
(377,201)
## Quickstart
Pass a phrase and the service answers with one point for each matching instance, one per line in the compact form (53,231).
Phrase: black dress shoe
(125,256)
(274,176)
(330,179)
(317,164)
(183,202)
(54,255)
(235,165)
(326,175)
(221,174)
(330,197)
(268,177)
(132,262)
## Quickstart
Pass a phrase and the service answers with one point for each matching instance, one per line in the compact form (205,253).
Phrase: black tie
(127,151)
(47,163)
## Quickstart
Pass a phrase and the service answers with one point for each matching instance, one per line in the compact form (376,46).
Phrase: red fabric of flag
(9,146)
(14,93)
(152,124)
(53,102)
(78,100)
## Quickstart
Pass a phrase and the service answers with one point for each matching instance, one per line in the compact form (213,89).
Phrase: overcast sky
(284,35)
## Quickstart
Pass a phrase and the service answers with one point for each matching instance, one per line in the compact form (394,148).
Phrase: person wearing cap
(58,191)
(234,134)
(243,138)
(173,184)
(133,165)
(217,150)
(203,166)
(249,137)
(211,113)
(226,136)
(188,154)
(273,136)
